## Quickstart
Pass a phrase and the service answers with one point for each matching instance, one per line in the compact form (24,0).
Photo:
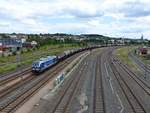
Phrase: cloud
(79,13)
(135,9)
(4,24)
(112,17)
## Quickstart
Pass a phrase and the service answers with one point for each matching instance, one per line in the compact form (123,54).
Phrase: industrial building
(9,45)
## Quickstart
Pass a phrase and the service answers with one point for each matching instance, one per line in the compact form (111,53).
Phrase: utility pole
(18,58)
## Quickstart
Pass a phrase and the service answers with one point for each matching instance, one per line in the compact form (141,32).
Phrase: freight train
(45,63)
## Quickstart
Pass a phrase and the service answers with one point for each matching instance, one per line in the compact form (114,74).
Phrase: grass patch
(8,68)
(123,52)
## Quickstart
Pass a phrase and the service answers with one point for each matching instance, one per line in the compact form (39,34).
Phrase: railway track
(66,96)
(99,100)
(136,105)
(10,77)
(135,77)
(11,88)
(14,99)
(139,62)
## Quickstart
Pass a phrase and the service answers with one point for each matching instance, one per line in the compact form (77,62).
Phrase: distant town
(12,43)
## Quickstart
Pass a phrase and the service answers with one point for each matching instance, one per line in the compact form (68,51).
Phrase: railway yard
(95,81)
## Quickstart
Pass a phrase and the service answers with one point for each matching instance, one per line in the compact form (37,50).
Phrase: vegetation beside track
(27,58)
(123,52)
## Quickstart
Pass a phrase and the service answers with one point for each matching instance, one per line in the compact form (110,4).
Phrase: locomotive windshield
(36,64)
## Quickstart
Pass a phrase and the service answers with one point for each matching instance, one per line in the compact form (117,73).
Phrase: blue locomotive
(44,63)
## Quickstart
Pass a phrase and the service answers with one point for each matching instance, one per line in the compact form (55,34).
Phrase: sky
(117,18)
